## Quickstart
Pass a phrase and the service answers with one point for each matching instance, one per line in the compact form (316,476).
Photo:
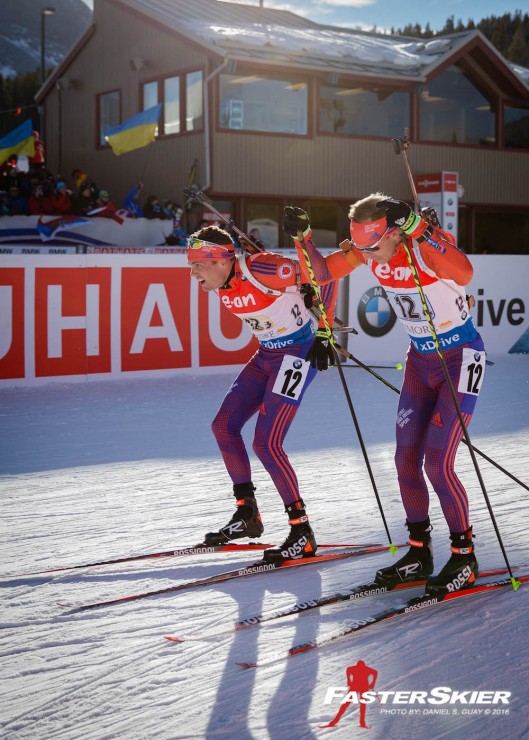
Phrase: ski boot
(416,564)
(461,570)
(300,543)
(246,522)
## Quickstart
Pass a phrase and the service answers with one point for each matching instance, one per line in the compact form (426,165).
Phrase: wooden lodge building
(275,110)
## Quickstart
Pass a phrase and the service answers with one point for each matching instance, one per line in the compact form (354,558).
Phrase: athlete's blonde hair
(365,210)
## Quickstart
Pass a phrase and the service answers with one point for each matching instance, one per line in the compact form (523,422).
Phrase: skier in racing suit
(428,429)
(264,290)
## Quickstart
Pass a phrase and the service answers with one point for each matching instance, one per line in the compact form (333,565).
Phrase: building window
(194,101)
(262,221)
(180,112)
(516,127)
(363,112)
(109,106)
(150,95)
(255,103)
(452,109)
(498,232)
(171,105)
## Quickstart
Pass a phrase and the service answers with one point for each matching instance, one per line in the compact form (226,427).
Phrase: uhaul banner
(92,316)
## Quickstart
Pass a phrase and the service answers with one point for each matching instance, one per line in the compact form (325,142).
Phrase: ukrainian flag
(135,132)
(18,141)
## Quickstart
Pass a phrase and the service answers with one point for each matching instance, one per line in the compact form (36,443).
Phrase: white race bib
(472,371)
(291,377)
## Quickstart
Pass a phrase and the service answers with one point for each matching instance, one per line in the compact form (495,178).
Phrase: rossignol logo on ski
(256,569)
(279,613)
(422,605)
(369,592)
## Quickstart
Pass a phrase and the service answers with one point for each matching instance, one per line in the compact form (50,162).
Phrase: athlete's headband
(367,236)
(201,250)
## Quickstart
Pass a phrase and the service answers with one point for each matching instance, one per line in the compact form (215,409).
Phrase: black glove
(321,354)
(308,293)
(295,219)
(398,213)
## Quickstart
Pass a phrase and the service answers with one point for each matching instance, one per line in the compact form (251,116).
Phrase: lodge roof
(279,37)
(271,37)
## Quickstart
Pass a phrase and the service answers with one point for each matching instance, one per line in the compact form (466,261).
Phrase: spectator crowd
(38,192)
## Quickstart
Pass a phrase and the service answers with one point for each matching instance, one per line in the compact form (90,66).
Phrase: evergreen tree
(449,25)
(17,101)
(518,49)
(509,34)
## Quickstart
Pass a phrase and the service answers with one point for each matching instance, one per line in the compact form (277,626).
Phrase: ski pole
(400,146)
(392,548)
(248,243)
(403,144)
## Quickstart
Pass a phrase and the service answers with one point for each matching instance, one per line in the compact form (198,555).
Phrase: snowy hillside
(97,470)
(20,36)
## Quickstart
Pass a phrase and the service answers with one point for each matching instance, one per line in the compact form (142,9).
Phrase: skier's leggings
(252,392)
(429,431)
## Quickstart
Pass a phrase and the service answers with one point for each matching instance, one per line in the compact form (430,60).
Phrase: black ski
(353,594)
(200,549)
(408,607)
(256,569)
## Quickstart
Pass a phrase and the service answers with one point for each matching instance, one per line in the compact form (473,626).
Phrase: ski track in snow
(99,470)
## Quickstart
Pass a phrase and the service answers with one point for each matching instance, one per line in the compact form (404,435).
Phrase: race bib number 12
(291,377)
(472,371)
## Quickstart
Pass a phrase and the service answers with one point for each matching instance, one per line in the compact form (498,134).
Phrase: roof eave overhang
(492,62)
(59,71)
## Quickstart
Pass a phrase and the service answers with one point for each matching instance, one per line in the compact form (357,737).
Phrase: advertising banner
(500,313)
(93,316)
(65,234)
(440,192)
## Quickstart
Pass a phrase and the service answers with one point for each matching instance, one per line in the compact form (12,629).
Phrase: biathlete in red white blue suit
(428,429)
(264,290)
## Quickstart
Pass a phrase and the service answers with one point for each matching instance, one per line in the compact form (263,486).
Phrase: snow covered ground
(97,470)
